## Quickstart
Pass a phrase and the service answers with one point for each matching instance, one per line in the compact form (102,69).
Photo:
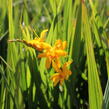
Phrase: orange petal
(57,61)
(48,63)
(68,73)
(55,82)
(42,55)
(56,68)
(66,65)
(55,78)
(58,44)
(45,45)
(64,45)
(55,75)
(60,53)
(43,34)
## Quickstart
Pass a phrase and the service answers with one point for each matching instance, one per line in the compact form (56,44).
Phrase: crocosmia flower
(37,43)
(54,53)
(62,74)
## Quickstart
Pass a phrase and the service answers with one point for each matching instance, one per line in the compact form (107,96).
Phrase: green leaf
(94,86)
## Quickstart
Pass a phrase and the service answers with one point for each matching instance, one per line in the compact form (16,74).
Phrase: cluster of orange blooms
(52,55)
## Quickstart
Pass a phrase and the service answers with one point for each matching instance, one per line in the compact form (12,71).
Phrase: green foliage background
(25,82)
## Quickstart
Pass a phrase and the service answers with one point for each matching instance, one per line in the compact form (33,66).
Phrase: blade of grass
(95,92)
(105,104)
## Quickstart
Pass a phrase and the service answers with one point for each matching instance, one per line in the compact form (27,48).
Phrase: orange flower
(37,43)
(61,74)
(54,53)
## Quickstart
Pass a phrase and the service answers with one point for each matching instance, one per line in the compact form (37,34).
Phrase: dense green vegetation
(24,80)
